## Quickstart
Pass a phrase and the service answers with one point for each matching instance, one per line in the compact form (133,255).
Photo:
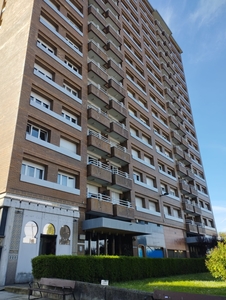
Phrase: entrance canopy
(106,225)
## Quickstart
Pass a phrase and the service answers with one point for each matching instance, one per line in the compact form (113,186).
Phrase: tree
(216,261)
(222,235)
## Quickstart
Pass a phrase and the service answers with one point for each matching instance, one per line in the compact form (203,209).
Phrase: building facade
(99,153)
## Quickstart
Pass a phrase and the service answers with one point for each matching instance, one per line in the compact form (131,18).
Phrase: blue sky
(199,27)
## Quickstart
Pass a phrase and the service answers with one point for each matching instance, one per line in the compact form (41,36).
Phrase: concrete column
(75,237)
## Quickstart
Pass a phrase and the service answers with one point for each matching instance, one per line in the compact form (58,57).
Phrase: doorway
(47,244)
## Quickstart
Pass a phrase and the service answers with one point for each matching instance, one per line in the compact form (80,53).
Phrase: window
(43,71)
(176,213)
(166,210)
(158,148)
(67,145)
(173,192)
(139,201)
(49,22)
(32,170)
(163,188)
(135,153)
(161,167)
(136,176)
(74,22)
(150,181)
(37,132)
(73,43)
(210,223)
(70,90)
(133,131)
(40,100)
(72,65)
(203,190)
(170,172)
(132,112)
(205,221)
(66,180)
(131,94)
(55,4)
(68,116)
(44,45)
(145,121)
(168,154)
(152,205)
(148,160)
(146,139)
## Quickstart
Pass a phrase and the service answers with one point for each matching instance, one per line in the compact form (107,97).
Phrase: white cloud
(207,11)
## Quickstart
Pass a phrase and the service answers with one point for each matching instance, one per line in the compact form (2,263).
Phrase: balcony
(98,143)
(190,175)
(97,95)
(176,138)
(96,17)
(181,170)
(181,130)
(193,192)
(187,159)
(121,180)
(178,153)
(188,207)
(112,19)
(197,210)
(94,33)
(113,35)
(171,108)
(173,123)
(97,54)
(99,204)
(179,116)
(113,6)
(116,90)
(115,70)
(123,211)
(184,144)
(117,109)
(119,132)
(191,228)
(98,4)
(184,187)
(99,172)
(176,103)
(120,155)
(98,119)
(114,52)
(201,230)
(97,73)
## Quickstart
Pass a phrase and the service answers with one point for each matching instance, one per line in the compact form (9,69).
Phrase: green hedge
(112,268)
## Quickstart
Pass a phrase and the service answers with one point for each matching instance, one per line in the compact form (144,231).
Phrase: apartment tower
(99,153)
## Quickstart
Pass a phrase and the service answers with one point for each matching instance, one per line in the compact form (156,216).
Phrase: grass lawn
(202,283)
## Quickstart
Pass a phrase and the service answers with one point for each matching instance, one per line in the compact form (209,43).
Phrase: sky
(199,27)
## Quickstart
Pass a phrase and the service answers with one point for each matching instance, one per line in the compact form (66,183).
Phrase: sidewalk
(15,292)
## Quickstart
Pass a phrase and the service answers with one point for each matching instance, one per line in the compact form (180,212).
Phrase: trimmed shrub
(113,268)
(216,261)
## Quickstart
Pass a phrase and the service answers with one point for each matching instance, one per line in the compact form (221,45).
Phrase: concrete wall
(89,291)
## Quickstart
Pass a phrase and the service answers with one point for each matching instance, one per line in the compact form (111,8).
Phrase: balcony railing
(120,173)
(107,198)
(98,135)
(113,170)
(99,164)
(99,196)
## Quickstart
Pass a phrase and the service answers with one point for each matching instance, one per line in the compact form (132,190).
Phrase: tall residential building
(99,153)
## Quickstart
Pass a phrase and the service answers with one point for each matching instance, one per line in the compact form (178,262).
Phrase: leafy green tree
(216,261)
(222,235)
